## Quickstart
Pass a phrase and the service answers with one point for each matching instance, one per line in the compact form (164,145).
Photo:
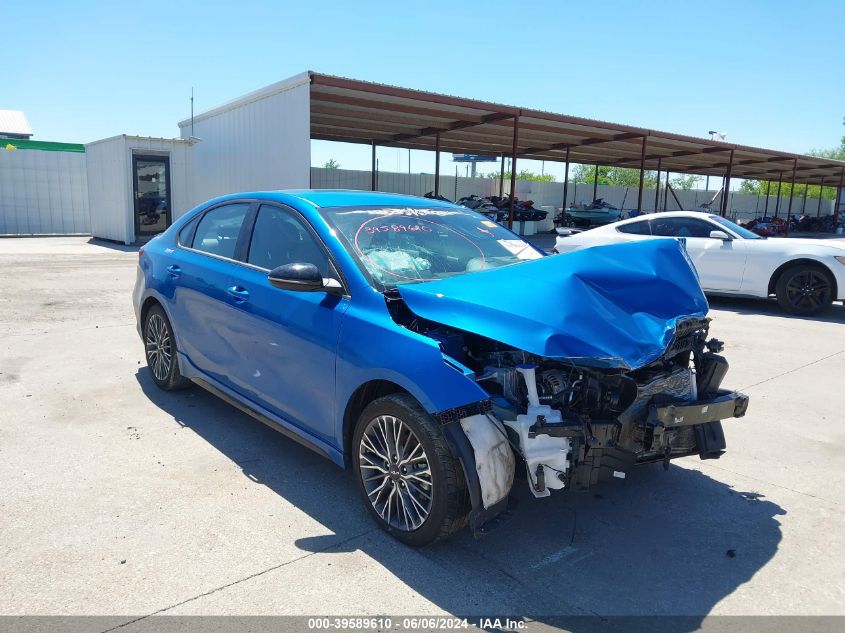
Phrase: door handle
(174,271)
(239,294)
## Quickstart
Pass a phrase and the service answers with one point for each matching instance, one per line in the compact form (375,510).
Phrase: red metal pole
(666,192)
(791,194)
(513,167)
(436,165)
(819,207)
(838,202)
(727,185)
(642,176)
(657,188)
(502,178)
(595,182)
(777,202)
(566,180)
(768,188)
(373,169)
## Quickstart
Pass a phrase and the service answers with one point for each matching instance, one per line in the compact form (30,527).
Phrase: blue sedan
(433,351)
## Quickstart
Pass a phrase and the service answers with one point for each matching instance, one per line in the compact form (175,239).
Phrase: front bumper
(668,428)
(726,404)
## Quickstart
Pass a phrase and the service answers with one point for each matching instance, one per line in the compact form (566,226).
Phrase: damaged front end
(651,393)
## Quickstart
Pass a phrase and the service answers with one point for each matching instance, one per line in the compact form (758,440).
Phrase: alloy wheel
(159,347)
(396,473)
(808,290)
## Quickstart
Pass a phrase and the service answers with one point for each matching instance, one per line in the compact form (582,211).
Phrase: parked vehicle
(806,275)
(484,206)
(563,219)
(814,224)
(597,213)
(765,226)
(432,351)
(523,210)
(439,196)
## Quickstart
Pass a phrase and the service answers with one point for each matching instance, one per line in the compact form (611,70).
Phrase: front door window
(151,183)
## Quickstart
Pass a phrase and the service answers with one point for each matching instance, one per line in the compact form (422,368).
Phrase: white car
(806,275)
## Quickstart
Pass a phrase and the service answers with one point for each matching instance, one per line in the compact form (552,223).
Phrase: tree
(616,176)
(750,187)
(523,174)
(764,187)
(684,183)
(331,164)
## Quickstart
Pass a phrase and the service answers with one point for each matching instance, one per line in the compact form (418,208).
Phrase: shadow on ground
(115,246)
(659,543)
(770,307)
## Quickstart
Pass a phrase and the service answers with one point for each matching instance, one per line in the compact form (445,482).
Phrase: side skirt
(265,417)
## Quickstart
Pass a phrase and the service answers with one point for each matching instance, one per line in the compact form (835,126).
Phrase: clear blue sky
(768,73)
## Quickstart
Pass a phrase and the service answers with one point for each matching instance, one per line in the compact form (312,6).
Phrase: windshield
(404,245)
(736,228)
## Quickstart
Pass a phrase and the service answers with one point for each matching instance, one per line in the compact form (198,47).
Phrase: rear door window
(218,230)
(680,227)
(635,228)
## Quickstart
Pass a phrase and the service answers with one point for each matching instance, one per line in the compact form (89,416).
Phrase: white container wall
(110,191)
(43,192)
(258,142)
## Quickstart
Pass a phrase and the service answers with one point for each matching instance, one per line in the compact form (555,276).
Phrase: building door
(151,189)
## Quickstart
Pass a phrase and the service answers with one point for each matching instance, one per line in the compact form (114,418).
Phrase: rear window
(186,233)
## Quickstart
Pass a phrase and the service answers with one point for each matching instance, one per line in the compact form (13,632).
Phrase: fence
(43,191)
(550,194)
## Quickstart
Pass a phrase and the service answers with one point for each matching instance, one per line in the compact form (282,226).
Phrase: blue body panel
(608,306)
(297,358)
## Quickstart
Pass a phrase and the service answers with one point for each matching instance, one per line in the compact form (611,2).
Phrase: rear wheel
(804,290)
(411,484)
(160,349)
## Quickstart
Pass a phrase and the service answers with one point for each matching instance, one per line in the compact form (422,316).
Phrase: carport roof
(355,111)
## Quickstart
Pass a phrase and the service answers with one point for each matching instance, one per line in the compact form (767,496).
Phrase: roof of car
(666,214)
(352,198)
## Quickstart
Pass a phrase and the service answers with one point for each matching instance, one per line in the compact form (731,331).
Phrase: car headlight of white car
(840,259)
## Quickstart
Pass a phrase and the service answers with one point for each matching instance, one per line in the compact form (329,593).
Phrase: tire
(804,290)
(160,351)
(396,499)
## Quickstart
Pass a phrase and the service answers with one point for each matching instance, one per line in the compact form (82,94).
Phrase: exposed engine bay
(572,425)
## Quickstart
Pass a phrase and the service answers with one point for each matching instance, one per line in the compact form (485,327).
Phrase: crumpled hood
(607,306)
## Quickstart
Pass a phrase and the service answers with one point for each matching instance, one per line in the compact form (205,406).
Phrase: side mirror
(720,235)
(302,278)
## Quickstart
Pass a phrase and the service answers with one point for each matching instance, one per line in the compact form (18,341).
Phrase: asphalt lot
(118,498)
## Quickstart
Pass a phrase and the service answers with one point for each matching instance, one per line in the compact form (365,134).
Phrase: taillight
(140,252)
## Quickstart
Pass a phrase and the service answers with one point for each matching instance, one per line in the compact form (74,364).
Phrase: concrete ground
(118,498)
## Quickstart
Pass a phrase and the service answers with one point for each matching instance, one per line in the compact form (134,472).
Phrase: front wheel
(804,290)
(411,484)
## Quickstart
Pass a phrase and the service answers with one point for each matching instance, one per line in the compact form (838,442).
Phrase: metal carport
(354,111)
